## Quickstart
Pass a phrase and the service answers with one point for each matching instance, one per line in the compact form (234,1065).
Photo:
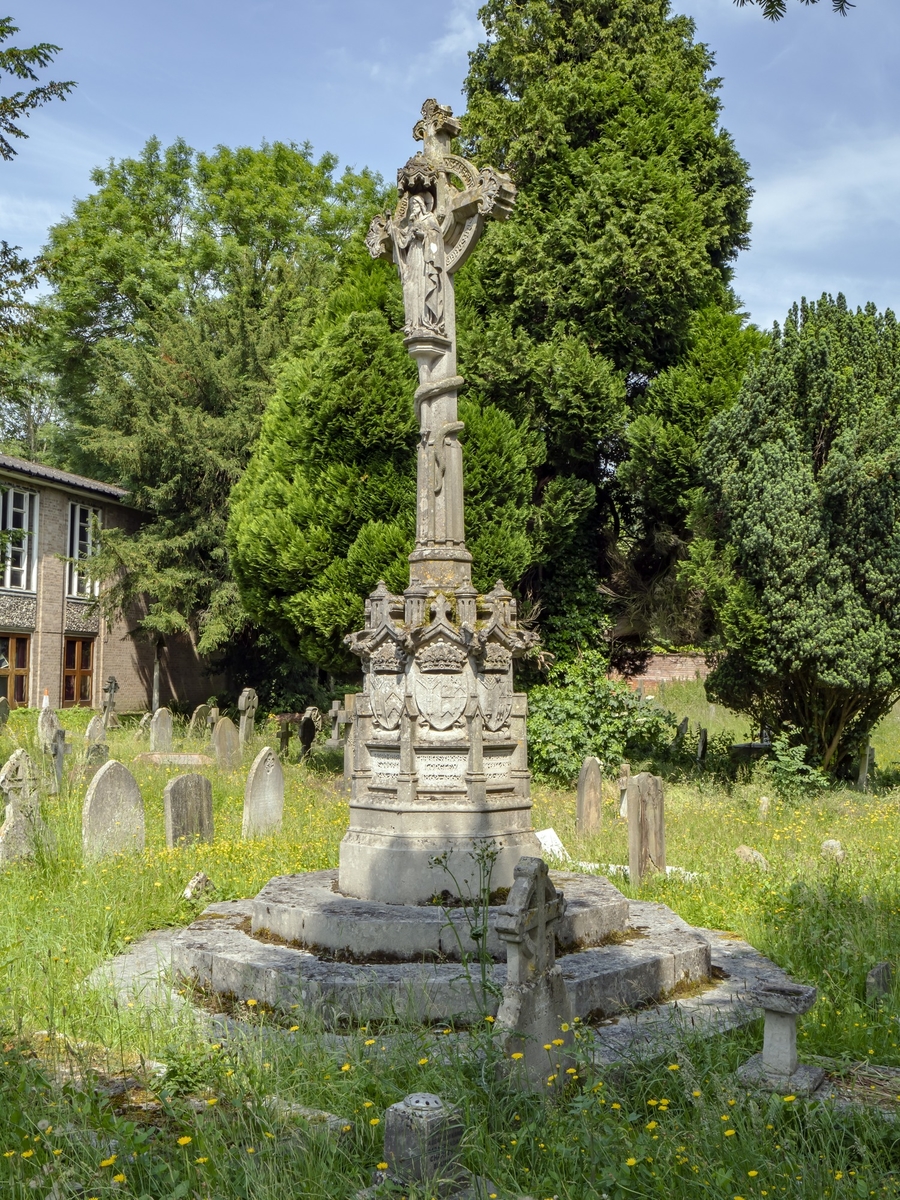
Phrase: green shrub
(578,712)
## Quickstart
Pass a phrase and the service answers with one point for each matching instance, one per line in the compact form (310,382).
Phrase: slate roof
(21,466)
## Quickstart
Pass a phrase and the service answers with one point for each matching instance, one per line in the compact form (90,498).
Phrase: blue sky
(812,103)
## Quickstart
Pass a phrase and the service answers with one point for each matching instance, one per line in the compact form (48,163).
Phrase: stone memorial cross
(439,756)
(110,720)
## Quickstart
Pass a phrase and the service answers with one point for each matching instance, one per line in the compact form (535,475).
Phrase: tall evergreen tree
(797,532)
(632,206)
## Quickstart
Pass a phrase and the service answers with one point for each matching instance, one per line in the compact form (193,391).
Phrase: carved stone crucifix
(430,234)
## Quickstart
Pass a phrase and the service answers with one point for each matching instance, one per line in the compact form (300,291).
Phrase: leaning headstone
(4,712)
(248,702)
(112,819)
(536,1010)
(879,981)
(624,776)
(144,724)
(197,885)
(646,826)
(198,720)
(161,730)
(187,804)
(47,728)
(96,730)
(23,832)
(263,796)
(310,724)
(227,744)
(589,803)
(60,750)
(680,734)
(97,754)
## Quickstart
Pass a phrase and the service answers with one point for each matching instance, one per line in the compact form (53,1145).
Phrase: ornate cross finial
(528,921)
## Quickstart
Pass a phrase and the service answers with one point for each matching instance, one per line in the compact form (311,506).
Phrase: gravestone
(285,733)
(187,803)
(338,718)
(702,743)
(349,741)
(4,712)
(752,857)
(589,803)
(879,981)
(680,734)
(110,720)
(310,724)
(97,754)
(624,776)
(227,744)
(96,730)
(866,766)
(59,752)
(212,720)
(263,796)
(423,1143)
(23,832)
(646,826)
(248,702)
(144,724)
(536,1011)
(47,728)
(161,730)
(112,819)
(198,720)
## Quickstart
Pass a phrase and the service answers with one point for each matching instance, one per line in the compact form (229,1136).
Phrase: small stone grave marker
(680,734)
(60,750)
(778,1067)
(187,804)
(96,730)
(536,1010)
(110,720)
(144,724)
(263,796)
(4,712)
(198,720)
(23,832)
(227,744)
(879,981)
(161,730)
(248,702)
(112,819)
(310,724)
(589,804)
(47,727)
(624,776)
(702,743)
(646,826)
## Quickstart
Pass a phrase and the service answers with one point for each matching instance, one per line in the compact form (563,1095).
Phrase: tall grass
(678,1128)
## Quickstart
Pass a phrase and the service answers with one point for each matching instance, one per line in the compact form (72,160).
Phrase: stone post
(778,1067)
(589,803)
(624,776)
(646,827)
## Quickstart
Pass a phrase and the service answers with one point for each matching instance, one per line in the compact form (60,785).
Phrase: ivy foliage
(579,711)
(797,540)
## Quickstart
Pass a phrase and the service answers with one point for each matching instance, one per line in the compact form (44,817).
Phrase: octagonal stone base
(309,912)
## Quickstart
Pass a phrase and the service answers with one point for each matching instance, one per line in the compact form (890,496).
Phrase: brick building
(52,635)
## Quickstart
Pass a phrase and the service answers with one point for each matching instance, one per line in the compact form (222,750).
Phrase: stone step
(218,954)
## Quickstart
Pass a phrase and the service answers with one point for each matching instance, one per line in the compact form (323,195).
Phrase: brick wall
(668,668)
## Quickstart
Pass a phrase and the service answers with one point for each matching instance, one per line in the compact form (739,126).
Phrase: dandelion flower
(730,1132)
(788,1099)
(213,1100)
(651,1125)
(118,1178)
(108,1162)
(251,1150)
(674,1067)
(630,1162)
(27,1153)
(345,1067)
(490,1020)
(185,1141)
(422,1062)
(201,1161)
(753,1174)
(558,1042)
(565,1027)
(369,1042)
(294,1028)
(616,1105)
(381,1166)
(374,1120)
(696,1093)
(251,1003)
(518,1054)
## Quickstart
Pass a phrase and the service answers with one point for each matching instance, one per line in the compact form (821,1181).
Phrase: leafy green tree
(20,64)
(632,206)
(797,532)
(663,467)
(327,505)
(177,286)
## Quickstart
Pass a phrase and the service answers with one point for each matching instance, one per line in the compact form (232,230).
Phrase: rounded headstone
(263,796)
(47,727)
(187,804)
(96,730)
(112,819)
(589,806)
(227,744)
(161,730)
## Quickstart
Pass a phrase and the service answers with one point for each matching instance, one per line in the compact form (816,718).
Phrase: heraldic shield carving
(439,687)
(495,697)
(387,684)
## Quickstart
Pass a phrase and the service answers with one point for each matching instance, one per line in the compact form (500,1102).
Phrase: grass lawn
(677,1128)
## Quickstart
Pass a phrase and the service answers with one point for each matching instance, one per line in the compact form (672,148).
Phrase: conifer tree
(797,532)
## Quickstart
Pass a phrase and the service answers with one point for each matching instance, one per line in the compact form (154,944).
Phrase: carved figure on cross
(528,921)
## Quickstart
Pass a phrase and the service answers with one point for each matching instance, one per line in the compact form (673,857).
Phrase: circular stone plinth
(308,911)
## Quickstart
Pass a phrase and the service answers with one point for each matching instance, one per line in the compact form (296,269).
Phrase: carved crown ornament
(388,657)
(441,655)
(496,657)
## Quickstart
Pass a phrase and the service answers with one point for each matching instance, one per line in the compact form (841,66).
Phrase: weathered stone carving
(438,735)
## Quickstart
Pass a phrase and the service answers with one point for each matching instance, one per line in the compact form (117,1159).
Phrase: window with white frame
(18,538)
(83,523)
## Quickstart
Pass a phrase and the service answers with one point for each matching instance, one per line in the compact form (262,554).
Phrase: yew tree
(797,532)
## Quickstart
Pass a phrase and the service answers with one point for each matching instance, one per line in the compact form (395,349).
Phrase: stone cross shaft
(528,922)
(429,235)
